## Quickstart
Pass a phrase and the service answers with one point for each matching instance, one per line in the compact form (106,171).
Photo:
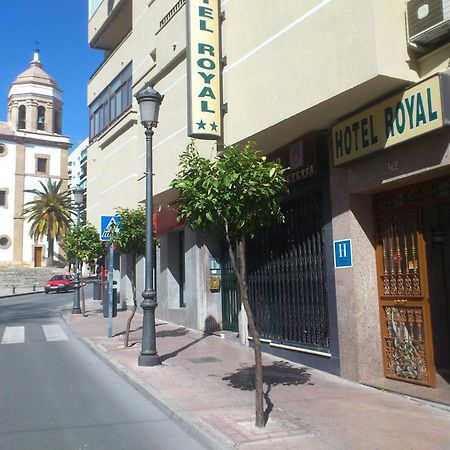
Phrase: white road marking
(14,335)
(54,333)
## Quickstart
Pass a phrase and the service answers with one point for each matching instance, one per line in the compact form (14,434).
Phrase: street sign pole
(110,290)
(107,226)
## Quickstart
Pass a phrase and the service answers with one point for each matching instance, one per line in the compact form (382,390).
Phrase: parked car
(61,282)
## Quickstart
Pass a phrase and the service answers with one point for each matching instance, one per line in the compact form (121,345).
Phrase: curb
(21,293)
(199,430)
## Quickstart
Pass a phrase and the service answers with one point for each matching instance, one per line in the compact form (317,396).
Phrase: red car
(61,282)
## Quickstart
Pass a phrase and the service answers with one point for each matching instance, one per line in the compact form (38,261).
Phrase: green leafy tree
(50,214)
(129,238)
(82,243)
(234,195)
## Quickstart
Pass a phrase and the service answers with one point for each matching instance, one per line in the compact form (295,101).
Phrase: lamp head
(149,101)
(78,195)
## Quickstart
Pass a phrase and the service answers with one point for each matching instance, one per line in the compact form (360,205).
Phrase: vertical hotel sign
(204,87)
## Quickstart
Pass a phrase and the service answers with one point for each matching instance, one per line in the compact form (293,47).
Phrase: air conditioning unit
(428,21)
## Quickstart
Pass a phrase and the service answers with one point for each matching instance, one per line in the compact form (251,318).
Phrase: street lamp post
(149,102)
(78,192)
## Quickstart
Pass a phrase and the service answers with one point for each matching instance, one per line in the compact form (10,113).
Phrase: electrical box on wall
(428,22)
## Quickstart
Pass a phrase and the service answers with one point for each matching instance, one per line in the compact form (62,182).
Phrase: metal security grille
(230,295)
(286,276)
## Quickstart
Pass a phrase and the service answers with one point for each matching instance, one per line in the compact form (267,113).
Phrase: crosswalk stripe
(54,333)
(14,335)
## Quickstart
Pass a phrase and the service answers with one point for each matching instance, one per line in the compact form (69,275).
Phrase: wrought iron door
(286,276)
(230,295)
(404,298)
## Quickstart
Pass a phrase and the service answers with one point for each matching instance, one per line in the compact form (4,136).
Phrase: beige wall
(316,68)
(113,170)
(309,53)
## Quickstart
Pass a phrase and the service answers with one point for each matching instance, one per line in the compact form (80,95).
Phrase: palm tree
(50,214)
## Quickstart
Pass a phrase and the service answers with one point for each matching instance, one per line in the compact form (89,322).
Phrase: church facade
(32,149)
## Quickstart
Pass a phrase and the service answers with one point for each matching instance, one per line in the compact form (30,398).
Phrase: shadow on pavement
(185,347)
(180,331)
(210,325)
(279,373)
(122,333)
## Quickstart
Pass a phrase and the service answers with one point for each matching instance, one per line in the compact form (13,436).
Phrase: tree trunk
(51,251)
(133,311)
(240,272)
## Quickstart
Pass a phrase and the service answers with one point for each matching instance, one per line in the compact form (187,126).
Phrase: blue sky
(60,26)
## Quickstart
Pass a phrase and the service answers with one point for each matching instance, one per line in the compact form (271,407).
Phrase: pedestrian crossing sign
(107,224)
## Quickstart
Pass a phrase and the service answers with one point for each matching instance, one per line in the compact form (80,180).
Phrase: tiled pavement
(205,383)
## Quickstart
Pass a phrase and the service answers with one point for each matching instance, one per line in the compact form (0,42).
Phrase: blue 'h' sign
(343,253)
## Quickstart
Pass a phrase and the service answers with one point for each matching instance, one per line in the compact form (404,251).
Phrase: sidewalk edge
(21,293)
(199,430)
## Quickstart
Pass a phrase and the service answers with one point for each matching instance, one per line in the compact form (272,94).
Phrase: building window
(176,275)
(3,198)
(111,103)
(57,121)
(3,150)
(41,118)
(42,164)
(21,123)
(5,242)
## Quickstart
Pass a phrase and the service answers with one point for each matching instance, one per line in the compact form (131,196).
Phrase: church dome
(35,101)
(36,76)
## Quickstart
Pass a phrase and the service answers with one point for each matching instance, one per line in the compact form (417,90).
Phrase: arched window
(21,123)
(57,122)
(41,118)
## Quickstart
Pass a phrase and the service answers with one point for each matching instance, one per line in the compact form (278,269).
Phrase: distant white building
(77,172)
(32,149)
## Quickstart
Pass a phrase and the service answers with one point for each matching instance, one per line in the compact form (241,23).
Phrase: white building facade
(77,171)
(32,150)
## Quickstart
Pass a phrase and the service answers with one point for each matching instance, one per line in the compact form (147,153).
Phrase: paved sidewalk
(205,383)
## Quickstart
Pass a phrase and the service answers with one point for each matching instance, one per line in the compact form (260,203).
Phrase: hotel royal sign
(204,84)
(423,108)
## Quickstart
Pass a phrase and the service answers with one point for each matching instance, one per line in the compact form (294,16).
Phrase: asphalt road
(56,395)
